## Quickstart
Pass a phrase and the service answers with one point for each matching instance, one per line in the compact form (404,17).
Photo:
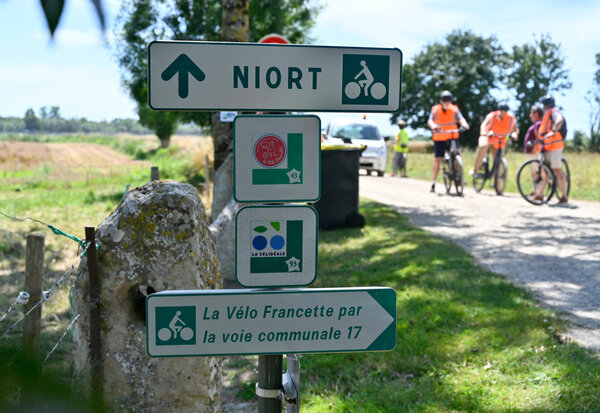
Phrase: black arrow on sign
(184,66)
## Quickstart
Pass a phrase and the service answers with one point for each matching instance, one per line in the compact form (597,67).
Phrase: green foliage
(579,141)
(142,21)
(468,65)
(593,99)
(467,340)
(32,123)
(53,124)
(474,68)
(535,70)
(585,170)
(292,19)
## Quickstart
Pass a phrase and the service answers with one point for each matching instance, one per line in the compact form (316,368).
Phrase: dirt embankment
(30,155)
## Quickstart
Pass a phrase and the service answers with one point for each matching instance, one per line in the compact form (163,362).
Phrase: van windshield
(355,131)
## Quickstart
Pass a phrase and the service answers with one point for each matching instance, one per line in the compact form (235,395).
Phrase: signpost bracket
(290,391)
(291,384)
(268,393)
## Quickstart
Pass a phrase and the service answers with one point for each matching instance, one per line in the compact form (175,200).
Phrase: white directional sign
(276,246)
(185,75)
(277,158)
(225,322)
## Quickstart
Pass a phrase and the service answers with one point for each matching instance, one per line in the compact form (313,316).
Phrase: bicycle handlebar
(459,130)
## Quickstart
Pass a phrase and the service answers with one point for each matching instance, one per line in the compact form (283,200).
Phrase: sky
(78,72)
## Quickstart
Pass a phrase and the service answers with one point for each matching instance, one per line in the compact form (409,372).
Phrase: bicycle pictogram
(177,329)
(366,84)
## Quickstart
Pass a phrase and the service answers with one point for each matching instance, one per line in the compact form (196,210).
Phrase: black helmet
(446,96)
(503,106)
(547,101)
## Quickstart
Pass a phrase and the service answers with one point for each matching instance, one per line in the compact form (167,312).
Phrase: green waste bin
(338,205)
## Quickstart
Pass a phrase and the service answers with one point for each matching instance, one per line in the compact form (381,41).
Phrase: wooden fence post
(154,175)
(95,327)
(34,268)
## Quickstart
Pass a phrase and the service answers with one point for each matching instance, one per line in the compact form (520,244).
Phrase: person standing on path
(444,120)
(551,131)
(496,126)
(535,114)
(400,150)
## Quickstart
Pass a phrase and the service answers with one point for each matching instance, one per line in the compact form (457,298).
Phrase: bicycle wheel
(567,173)
(530,176)
(479,177)
(500,176)
(446,174)
(458,175)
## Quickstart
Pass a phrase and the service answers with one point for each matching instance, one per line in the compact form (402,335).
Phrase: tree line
(142,21)
(477,70)
(49,120)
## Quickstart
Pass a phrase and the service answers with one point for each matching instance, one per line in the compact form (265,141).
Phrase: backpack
(563,128)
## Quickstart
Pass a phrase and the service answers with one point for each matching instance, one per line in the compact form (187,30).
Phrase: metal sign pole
(269,383)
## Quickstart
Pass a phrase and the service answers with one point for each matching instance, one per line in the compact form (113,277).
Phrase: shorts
(554,157)
(439,147)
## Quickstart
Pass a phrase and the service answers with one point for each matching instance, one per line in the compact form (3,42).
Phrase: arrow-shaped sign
(313,320)
(184,66)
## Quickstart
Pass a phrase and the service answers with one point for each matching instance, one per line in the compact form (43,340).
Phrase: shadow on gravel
(466,339)
(558,264)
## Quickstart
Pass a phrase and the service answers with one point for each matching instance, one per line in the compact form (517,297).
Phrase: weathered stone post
(156,239)
(226,242)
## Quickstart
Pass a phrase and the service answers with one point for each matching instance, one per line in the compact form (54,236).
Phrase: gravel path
(552,251)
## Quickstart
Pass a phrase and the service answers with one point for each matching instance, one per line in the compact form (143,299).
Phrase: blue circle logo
(259,243)
(277,242)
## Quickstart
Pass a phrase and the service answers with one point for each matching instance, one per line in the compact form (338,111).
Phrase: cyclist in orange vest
(552,139)
(496,126)
(444,116)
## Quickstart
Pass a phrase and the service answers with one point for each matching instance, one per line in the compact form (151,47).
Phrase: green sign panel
(365,79)
(315,320)
(186,75)
(277,158)
(276,246)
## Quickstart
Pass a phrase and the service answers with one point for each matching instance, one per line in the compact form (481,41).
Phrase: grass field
(585,170)
(467,341)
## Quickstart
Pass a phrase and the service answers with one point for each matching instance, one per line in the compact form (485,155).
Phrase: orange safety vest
(500,128)
(446,120)
(555,141)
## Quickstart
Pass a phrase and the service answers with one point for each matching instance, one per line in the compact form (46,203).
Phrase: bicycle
(452,166)
(540,173)
(497,174)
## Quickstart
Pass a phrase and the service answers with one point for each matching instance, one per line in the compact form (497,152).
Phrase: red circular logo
(270,151)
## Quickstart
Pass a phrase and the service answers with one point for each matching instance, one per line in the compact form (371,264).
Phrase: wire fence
(24,297)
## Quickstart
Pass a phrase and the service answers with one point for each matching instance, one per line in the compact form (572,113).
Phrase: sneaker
(538,197)
(471,172)
(563,200)
(432,188)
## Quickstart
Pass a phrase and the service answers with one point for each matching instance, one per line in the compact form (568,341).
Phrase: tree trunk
(165,142)
(235,23)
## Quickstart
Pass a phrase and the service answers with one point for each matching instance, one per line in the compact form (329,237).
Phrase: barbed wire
(46,295)
(52,228)
(60,339)
(22,298)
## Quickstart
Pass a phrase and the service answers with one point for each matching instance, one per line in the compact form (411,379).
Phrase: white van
(360,132)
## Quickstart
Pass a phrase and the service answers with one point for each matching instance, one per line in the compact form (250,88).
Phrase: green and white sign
(186,75)
(227,322)
(276,246)
(277,158)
